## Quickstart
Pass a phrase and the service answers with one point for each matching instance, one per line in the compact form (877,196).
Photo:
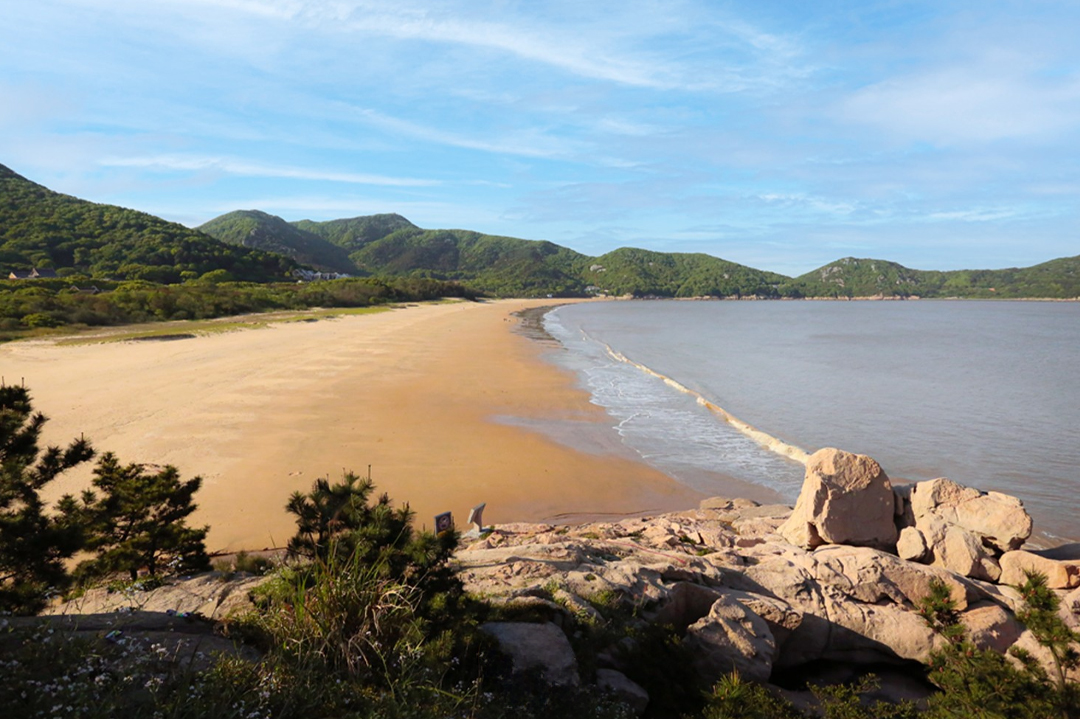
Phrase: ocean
(985,393)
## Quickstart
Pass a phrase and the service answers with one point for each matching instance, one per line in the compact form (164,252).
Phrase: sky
(781,135)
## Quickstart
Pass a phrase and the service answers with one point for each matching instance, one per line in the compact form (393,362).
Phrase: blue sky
(782,135)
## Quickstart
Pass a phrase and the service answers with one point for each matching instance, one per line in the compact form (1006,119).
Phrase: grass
(194,328)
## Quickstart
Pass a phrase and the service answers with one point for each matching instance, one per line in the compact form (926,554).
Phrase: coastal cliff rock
(845,499)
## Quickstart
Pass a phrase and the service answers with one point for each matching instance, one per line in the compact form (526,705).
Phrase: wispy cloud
(252,169)
(527,143)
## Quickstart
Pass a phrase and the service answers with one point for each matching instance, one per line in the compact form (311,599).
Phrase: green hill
(42,228)
(672,274)
(261,231)
(391,245)
(354,233)
(852,277)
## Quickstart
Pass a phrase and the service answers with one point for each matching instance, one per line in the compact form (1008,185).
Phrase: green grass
(198,328)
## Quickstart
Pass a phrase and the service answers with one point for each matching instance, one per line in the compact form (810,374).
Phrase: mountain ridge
(45,229)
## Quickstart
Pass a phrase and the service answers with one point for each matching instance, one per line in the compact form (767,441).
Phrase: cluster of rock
(769,588)
(759,589)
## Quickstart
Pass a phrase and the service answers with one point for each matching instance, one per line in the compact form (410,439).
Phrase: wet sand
(437,398)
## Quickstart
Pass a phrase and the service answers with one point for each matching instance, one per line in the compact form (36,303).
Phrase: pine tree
(139,521)
(33,544)
(338,519)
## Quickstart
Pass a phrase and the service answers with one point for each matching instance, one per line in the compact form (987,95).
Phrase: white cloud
(252,169)
(979,103)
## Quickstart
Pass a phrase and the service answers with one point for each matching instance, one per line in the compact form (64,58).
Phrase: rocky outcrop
(731,638)
(212,595)
(997,520)
(845,499)
(959,528)
(755,588)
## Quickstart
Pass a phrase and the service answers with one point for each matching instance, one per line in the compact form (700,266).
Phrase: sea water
(985,393)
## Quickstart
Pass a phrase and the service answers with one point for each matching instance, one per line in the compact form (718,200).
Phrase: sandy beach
(442,400)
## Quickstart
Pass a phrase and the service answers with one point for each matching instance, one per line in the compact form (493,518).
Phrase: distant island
(44,230)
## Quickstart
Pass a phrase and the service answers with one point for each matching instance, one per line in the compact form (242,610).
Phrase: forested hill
(851,277)
(389,244)
(45,229)
(259,230)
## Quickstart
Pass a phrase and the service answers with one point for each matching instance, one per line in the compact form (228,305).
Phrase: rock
(723,503)
(685,604)
(845,499)
(627,691)
(731,637)
(876,633)
(537,646)
(190,641)
(991,627)
(998,520)
(961,552)
(873,577)
(782,618)
(212,595)
(911,545)
(1059,574)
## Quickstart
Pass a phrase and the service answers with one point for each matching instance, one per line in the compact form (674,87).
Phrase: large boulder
(991,626)
(997,520)
(537,646)
(731,637)
(911,545)
(845,499)
(1060,574)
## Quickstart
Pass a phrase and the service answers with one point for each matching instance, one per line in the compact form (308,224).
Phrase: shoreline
(418,393)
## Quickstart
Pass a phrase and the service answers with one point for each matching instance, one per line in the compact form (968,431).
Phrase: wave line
(766,440)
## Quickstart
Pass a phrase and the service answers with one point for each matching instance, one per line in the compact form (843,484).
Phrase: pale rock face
(541,646)
(1060,574)
(845,499)
(731,637)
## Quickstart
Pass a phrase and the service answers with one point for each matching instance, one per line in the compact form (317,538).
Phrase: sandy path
(415,393)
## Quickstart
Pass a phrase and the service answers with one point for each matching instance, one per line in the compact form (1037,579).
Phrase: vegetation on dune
(45,229)
(27,306)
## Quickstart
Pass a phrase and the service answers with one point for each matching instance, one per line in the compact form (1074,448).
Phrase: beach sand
(438,398)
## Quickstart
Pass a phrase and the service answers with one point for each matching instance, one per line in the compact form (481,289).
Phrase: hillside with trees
(269,233)
(45,229)
(630,271)
(853,277)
